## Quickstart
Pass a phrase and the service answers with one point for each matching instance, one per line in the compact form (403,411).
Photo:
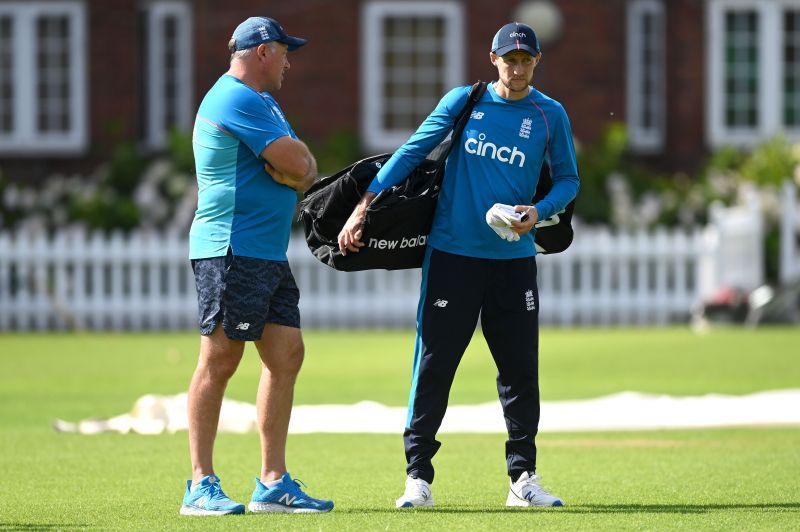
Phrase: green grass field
(722,479)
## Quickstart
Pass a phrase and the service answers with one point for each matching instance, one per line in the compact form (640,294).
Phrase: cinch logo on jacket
(487,149)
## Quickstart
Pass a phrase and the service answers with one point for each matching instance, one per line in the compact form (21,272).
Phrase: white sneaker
(418,493)
(526,491)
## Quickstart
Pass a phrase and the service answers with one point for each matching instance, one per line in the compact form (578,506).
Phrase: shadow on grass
(678,508)
(593,509)
(40,526)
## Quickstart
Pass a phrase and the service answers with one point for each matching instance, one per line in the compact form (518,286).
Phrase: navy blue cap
(515,36)
(258,30)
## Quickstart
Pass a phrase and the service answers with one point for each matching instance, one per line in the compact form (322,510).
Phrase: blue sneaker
(286,497)
(207,498)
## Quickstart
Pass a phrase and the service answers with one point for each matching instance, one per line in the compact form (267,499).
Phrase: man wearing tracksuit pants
(476,267)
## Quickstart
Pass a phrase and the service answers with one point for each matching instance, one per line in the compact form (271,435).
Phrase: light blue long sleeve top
(498,159)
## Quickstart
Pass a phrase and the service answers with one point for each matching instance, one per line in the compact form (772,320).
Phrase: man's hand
(499,218)
(300,184)
(526,223)
(290,163)
(351,233)
(278,176)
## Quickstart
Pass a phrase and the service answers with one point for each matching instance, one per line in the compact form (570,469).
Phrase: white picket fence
(142,281)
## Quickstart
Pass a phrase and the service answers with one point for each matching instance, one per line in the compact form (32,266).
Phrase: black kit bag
(398,219)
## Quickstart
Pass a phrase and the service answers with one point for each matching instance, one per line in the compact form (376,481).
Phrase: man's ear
(493,58)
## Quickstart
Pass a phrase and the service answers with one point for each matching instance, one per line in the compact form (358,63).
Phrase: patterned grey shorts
(246,294)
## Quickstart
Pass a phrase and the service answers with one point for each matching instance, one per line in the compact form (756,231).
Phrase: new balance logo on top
(477,115)
(287,499)
(441,303)
(242,326)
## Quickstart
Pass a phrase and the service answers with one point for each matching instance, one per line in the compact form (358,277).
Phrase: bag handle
(475,94)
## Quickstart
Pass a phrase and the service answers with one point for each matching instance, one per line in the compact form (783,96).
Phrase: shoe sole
(269,507)
(409,504)
(192,510)
(514,500)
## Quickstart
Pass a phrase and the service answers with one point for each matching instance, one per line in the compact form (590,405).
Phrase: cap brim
(293,42)
(513,47)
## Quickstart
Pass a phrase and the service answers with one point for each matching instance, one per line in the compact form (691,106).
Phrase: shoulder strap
(475,94)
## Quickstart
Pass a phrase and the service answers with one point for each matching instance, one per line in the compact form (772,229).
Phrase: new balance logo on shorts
(441,303)
(242,326)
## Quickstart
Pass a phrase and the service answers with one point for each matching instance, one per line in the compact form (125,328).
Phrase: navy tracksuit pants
(455,291)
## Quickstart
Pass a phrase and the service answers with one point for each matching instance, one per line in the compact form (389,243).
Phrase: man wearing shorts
(250,166)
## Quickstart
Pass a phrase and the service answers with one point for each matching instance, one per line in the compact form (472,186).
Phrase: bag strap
(475,94)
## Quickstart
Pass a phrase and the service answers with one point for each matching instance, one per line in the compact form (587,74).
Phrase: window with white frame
(42,77)
(754,65)
(646,80)
(412,54)
(168,89)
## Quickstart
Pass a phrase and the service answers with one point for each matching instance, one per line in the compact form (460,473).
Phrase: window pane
(170,35)
(165,38)
(741,69)
(646,53)
(414,61)
(52,69)
(650,81)
(791,68)
(6,69)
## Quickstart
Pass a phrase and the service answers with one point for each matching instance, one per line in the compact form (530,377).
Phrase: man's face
(515,69)
(275,62)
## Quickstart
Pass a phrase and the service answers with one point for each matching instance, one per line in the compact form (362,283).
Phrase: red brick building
(78,77)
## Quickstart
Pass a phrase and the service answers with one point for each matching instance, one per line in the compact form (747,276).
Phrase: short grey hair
(242,54)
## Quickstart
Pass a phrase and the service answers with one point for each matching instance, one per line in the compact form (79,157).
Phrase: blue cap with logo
(258,30)
(515,36)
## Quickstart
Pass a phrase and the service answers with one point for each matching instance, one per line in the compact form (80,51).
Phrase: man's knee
(282,350)
(293,360)
(220,369)
(219,356)
(287,364)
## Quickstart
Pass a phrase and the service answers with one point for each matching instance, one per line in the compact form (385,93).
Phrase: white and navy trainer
(526,491)
(418,493)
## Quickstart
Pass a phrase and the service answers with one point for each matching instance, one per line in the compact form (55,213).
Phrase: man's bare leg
(281,350)
(219,358)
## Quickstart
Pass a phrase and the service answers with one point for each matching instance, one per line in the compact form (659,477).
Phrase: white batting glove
(499,218)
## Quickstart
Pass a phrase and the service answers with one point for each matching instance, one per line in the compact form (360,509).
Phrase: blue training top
(497,160)
(239,204)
